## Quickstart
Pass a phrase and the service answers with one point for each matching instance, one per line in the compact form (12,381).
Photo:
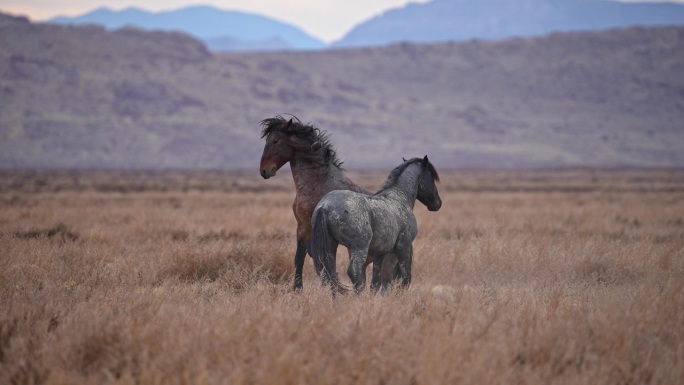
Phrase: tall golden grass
(572,276)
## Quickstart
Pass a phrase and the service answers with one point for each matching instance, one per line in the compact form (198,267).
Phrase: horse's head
(278,149)
(427,187)
(287,140)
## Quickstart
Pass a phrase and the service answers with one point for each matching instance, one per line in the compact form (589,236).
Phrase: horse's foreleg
(389,270)
(300,256)
(356,270)
(396,272)
(376,279)
(405,257)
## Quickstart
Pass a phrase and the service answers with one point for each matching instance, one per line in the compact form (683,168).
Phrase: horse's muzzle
(436,206)
(268,172)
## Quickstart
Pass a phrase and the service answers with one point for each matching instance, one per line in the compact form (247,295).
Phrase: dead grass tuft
(59,231)
(193,267)
(236,264)
(602,273)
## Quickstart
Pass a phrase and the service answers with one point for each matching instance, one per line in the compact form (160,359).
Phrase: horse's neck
(317,179)
(406,187)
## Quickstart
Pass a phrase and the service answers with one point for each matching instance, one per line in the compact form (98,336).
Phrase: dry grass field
(529,277)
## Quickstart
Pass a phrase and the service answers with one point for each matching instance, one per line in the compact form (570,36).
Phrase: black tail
(324,259)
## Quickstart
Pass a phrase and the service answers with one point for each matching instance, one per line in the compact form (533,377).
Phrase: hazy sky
(325,19)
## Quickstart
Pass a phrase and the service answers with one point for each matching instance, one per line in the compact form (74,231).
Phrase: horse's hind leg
(356,270)
(328,275)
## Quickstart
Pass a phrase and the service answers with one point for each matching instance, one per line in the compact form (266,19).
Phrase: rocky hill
(445,20)
(220,30)
(85,97)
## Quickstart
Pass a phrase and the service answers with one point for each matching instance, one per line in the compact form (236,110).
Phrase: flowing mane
(396,173)
(318,148)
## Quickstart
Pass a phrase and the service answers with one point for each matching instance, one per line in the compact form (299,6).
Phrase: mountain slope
(212,25)
(86,97)
(444,20)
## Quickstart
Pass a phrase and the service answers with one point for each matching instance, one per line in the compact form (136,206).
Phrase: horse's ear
(426,161)
(287,125)
(404,159)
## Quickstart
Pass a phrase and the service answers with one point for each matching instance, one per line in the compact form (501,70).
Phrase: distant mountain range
(220,30)
(88,97)
(435,21)
(445,20)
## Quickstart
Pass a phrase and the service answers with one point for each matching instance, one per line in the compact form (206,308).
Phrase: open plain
(175,277)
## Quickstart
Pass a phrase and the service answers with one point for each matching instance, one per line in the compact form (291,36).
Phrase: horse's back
(346,205)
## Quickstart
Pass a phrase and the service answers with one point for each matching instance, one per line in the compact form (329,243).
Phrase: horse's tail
(324,257)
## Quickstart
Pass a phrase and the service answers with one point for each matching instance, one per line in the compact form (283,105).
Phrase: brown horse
(316,171)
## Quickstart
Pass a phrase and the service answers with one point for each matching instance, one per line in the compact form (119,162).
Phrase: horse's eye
(275,141)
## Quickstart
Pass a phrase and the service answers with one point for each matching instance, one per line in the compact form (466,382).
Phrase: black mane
(433,171)
(394,175)
(319,148)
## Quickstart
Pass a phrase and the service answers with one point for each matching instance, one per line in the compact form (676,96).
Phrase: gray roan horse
(373,226)
(316,170)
